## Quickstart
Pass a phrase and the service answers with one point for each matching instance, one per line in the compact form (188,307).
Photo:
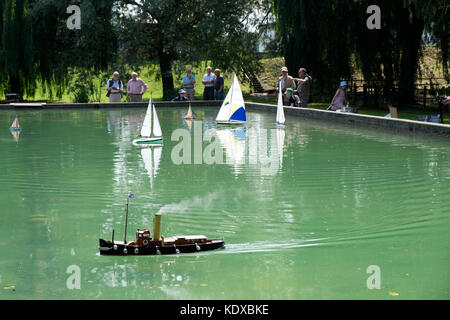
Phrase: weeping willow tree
(37,45)
(16,49)
(324,35)
(316,35)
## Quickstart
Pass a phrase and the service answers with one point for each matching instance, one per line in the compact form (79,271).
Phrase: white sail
(225,110)
(156,126)
(146,130)
(232,105)
(280,109)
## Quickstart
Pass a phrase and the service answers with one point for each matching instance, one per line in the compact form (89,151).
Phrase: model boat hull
(148,141)
(120,249)
(231,122)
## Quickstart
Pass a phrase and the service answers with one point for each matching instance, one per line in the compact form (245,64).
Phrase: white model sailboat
(151,129)
(280,109)
(233,107)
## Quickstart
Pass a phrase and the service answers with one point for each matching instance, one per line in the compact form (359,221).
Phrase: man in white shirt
(114,87)
(136,88)
(208,82)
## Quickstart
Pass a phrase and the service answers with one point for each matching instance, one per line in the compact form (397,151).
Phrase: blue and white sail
(233,107)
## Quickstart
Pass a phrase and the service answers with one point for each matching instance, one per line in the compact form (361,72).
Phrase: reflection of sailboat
(280,109)
(151,130)
(152,159)
(191,114)
(280,143)
(233,141)
(16,134)
(233,107)
(189,124)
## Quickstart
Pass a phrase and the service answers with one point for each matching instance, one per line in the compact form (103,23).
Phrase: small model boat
(232,110)
(158,244)
(15,126)
(191,114)
(151,133)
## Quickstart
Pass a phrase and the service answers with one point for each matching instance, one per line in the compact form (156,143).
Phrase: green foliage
(324,36)
(189,32)
(37,45)
(16,61)
(316,35)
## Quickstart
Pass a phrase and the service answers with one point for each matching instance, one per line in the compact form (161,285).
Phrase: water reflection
(16,135)
(152,159)
(233,141)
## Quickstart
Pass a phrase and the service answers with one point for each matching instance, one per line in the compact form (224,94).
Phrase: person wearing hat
(136,88)
(293,100)
(181,96)
(284,82)
(340,98)
(303,87)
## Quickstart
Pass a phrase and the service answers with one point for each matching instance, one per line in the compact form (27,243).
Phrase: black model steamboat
(158,244)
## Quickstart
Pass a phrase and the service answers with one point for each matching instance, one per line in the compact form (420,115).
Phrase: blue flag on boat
(131,196)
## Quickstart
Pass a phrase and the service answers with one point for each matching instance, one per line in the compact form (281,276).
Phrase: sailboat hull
(15,129)
(148,141)
(231,122)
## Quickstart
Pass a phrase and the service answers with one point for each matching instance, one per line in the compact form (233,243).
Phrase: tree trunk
(14,84)
(165,65)
(412,37)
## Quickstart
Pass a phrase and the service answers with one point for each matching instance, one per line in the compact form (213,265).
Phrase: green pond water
(315,211)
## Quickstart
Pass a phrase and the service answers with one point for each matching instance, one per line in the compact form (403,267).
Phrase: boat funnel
(157,227)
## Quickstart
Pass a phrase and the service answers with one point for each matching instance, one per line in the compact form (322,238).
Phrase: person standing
(340,98)
(285,82)
(208,82)
(188,84)
(218,85)
(114,87)
(136,88)
(304,86)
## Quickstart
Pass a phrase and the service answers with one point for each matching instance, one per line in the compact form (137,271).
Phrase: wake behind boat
(151,133)
(232,110)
